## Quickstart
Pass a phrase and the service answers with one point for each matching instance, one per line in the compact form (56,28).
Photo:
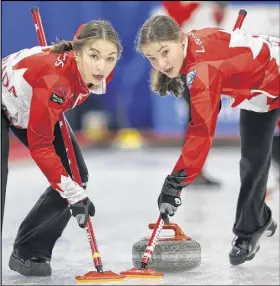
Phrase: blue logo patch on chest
(190,78)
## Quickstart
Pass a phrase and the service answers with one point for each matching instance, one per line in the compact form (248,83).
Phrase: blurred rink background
(132,138)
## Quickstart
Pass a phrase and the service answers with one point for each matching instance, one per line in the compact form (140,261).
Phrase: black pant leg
(4,161)
(48,218)
(256,130)
(276,150)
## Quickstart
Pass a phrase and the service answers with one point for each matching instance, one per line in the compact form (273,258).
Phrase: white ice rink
(124,185)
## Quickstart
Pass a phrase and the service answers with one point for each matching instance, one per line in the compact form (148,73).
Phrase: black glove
(82,210)
(168,206)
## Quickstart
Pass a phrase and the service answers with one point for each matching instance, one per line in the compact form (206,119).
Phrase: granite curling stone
(171,254)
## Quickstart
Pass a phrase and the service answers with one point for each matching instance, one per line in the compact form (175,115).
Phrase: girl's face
(166,57)
(96,61)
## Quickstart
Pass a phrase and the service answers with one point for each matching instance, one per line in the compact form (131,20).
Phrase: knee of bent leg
(83,173)
(84,178)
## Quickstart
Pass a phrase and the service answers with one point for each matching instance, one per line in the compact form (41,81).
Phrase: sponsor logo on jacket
(190,78)
(56,98)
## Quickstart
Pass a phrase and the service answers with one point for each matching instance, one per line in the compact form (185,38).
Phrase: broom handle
(159,224)
(69,147)
(239,21)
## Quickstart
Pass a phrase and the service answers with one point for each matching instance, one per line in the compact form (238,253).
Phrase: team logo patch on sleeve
(190,78)
(56,98)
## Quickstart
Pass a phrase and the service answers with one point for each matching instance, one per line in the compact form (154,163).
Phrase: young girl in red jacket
(39,84)
(245,68)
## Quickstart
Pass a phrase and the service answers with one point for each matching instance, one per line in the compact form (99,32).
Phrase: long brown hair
(97,29)
(157,29)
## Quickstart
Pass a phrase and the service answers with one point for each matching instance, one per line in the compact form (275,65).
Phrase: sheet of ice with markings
(124,185)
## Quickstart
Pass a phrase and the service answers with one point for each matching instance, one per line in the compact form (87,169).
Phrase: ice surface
(124,186)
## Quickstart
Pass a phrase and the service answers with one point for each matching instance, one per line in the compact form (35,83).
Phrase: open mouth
(98,77)
(168,71)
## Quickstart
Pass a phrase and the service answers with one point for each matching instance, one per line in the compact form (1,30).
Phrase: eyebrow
(161,48)
(157,51)
(93,49)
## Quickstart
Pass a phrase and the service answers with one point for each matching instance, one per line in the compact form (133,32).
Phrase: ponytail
(61,47)
(162,84)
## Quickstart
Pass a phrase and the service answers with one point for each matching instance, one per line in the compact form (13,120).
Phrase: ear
(76,56)
(183,39)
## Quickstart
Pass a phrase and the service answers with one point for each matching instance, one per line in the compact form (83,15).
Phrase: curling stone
(171,254)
